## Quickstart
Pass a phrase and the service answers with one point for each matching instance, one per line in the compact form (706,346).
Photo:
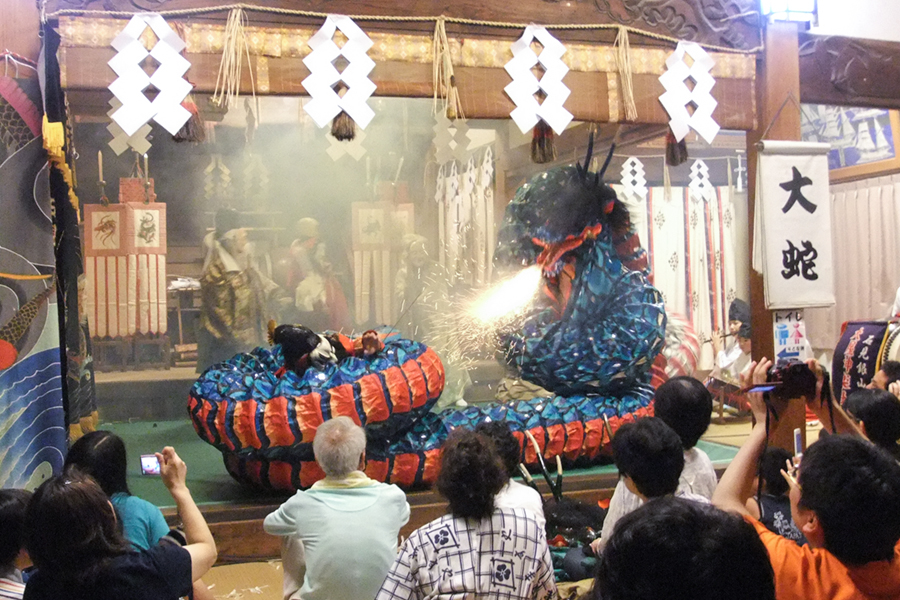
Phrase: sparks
(508,297)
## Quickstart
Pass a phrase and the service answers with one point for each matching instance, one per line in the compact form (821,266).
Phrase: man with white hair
(347,523)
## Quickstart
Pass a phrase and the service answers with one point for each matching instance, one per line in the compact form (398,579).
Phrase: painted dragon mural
(590,337)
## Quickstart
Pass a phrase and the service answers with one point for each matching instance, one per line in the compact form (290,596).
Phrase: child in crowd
(685,405)
(877,413)
(772,507)
(650,458)
(13,556)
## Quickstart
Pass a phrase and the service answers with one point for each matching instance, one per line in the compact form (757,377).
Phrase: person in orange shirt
(845,500)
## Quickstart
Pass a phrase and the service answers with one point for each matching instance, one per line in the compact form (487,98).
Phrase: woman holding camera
(74,541)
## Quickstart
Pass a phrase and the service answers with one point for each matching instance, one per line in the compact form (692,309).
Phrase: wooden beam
(849,71)
(703,22)
(778,76)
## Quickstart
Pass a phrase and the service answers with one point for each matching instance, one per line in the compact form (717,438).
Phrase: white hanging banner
(792,229)
(678,95)
(325,103)
(136,109)
(525,85)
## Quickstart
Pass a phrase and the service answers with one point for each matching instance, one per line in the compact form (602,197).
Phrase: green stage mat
(211,484)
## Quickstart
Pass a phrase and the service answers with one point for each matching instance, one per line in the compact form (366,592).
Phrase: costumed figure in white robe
(733,359)
(237,301)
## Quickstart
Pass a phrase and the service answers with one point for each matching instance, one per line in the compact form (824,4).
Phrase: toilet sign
(790,335)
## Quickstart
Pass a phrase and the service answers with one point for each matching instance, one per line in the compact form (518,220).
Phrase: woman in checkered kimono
(477,551)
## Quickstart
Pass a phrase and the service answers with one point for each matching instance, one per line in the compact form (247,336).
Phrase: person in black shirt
(80,554)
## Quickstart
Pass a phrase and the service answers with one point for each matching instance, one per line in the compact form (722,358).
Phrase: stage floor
(210,484)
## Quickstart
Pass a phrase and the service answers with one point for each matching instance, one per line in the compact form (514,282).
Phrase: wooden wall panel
(19,27)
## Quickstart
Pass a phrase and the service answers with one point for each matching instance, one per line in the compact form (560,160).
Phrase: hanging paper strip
(678,95)
(122,141)
(137,110)
(700,186)
(634,180)
(525,84)
(354,148)
(325,103)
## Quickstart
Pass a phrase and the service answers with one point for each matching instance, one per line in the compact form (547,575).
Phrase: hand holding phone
(149,464)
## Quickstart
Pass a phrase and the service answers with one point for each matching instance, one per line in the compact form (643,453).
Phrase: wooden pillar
(777,76)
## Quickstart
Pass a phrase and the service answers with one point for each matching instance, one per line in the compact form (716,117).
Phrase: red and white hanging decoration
(678,95)
(125,263)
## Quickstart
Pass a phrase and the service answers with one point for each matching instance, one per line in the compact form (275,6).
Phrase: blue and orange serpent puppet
(590,338)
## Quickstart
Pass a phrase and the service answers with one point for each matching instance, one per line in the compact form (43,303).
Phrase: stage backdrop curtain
(866,246)
(691,243)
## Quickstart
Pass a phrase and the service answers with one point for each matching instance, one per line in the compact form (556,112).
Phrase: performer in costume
(236,299)
(733,359)
(318,295)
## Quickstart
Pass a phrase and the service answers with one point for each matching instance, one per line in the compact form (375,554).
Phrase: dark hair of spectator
(505,442)
(101,454)
(71,530)
(686,406)
(13,504)
(649,452)
(891,368)
(879,410)
(471,474)
(854,488)
(770,465)
(677,549)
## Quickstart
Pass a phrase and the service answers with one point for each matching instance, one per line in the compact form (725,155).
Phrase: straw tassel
(445,92)
(623,65)
(676,152)
(234,49)
(343,127)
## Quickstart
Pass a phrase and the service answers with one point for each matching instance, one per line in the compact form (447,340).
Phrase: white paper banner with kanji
(792,230)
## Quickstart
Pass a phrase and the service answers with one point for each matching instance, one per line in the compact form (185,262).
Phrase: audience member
(846,502)
(685,405)
(885,376)
(878,414)
(772,507)
(513,494)
(347,523)
(73,538)
(676,549)
(478,550)
(13,555)
(101,454)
